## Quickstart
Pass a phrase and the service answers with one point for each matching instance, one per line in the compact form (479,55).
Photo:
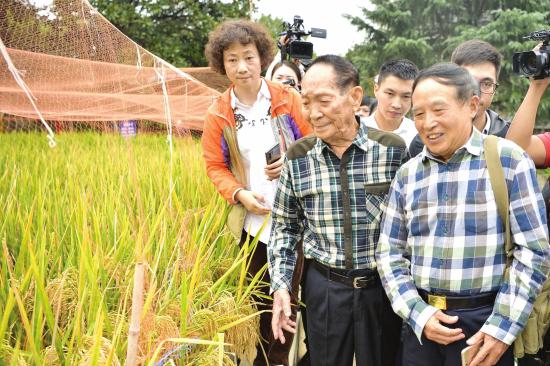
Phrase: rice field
(91,230)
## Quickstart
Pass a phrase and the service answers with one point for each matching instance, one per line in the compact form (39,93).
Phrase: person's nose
(430,122)
(396,103)
(242,69)
(315,113)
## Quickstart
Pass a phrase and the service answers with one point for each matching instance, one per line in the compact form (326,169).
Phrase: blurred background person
(367,107)
(393,90)
(286,72)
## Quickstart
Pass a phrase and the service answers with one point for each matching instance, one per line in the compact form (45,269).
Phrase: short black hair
(347,75)
(370,101)
(451,74)
(475,52)
(403,69)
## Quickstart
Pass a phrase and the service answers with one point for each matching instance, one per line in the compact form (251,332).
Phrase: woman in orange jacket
(246,132)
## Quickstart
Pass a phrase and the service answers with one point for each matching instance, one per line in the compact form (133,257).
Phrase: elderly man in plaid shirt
(441,251)
(330,192)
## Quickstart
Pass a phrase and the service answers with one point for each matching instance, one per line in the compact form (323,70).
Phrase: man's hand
(251,201)
(490,352)
(273,170)
(540,83)
(434,331)
(281,315)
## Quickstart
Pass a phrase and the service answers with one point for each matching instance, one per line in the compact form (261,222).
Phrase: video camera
(535,64)
(295,47)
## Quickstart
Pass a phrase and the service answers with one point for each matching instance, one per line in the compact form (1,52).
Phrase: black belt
(356,278)
(445,302)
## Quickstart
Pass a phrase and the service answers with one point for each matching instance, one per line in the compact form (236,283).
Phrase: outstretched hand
(281,315)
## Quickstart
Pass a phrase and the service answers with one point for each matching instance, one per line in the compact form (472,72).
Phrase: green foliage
(275,25)
(175,30)
(427,31)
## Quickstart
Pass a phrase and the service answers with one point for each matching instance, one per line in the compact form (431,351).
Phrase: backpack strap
(500,189)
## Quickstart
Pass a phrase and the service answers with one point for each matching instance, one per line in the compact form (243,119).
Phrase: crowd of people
(389,225)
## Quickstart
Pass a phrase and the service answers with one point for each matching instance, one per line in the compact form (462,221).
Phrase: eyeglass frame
(494,86)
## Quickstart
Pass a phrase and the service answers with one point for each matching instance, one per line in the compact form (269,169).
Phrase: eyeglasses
(488,87)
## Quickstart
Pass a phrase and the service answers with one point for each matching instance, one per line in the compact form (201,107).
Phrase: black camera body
(295,47)
(535,64)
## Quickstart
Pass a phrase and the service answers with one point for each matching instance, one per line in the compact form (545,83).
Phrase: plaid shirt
(312,197)
(443,216)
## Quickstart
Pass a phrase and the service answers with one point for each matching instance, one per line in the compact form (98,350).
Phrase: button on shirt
(334,203)
(255,138)
(443,216)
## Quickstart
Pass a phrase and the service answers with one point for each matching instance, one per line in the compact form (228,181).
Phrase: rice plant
(75,223)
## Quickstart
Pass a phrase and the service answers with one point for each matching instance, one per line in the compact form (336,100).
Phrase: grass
(75,220)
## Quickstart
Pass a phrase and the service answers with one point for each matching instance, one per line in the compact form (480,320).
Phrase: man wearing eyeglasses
(483,61)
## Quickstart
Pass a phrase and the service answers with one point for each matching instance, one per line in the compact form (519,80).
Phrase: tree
(174,30)
(427,31)
(274,25)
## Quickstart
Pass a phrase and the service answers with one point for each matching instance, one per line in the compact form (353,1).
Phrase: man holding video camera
(536,146)
(330,192)
(523,124)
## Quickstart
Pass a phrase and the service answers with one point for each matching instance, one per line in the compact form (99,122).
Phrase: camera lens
(529,63)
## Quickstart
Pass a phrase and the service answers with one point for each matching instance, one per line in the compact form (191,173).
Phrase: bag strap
(500,189)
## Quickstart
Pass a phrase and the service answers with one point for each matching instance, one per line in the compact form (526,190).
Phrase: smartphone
(273,154)
(468,353)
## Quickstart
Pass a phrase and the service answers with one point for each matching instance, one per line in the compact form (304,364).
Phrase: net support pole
(17,76)
(167,112)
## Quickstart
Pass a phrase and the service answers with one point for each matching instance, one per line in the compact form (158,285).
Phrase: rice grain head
(7,356)
(105,349)
(62,292)
(244,336)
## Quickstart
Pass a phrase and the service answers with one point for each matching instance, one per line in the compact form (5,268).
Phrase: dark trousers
(343,321)
(277,353)
(431,353)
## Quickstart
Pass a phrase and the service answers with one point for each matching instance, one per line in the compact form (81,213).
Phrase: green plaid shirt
(332,202)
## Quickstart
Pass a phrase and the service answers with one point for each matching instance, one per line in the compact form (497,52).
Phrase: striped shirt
(332,202)
(441,232)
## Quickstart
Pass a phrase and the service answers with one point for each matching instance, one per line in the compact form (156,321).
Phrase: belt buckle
(356,281)
(439,302)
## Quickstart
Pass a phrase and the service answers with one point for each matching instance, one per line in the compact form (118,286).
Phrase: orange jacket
(286,118)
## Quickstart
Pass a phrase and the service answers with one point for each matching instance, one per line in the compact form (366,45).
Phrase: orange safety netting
(76,66)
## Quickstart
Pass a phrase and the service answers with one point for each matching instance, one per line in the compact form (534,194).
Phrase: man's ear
(474,106)
(356,95)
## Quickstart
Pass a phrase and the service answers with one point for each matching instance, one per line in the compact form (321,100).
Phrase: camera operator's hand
(539,86)
(283,40)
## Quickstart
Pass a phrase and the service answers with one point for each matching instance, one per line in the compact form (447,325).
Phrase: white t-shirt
(406,130)
(255,138)
(487,124)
